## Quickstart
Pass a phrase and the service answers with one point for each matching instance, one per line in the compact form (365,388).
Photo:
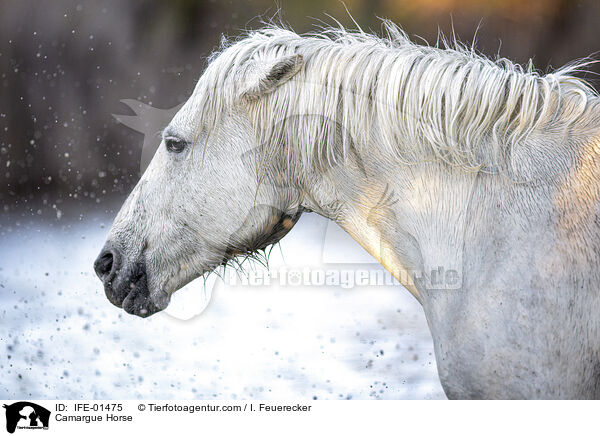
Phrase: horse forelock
(423,102)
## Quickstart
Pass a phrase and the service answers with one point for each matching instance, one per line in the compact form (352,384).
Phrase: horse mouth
(125,286)
(133,296)
(138,301)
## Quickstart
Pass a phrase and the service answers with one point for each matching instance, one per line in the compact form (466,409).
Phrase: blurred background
(65,66)
(66,165)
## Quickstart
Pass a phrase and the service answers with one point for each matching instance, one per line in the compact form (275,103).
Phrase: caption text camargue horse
(430,158)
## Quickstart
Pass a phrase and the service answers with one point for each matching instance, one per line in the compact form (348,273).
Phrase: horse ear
(268,79)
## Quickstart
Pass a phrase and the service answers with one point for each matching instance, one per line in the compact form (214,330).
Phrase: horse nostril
(104,264)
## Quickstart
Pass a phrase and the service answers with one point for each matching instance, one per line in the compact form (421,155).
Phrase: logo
(26,415)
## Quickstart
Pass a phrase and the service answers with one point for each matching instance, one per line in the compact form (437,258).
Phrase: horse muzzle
(125,283)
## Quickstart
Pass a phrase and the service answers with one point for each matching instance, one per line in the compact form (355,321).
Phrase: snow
(64,340)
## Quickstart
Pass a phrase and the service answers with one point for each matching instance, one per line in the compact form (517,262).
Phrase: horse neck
(411,218)
(429,217)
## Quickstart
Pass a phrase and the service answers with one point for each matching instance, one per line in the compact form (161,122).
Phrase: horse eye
(175,145)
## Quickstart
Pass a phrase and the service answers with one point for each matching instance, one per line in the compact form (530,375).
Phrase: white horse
(433,159)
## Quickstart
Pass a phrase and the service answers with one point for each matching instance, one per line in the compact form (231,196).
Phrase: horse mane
(417,102)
